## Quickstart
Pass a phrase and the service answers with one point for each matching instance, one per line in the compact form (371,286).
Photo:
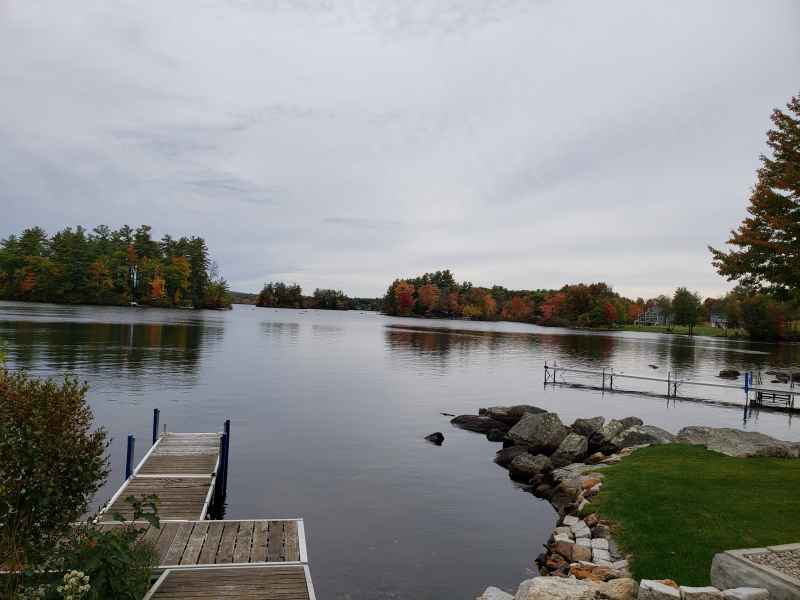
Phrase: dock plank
(260,536)
(208,555)
(195,544)
(244,541)
(275,542)
(264,582)
(178,545)
(292,537)
(227,543)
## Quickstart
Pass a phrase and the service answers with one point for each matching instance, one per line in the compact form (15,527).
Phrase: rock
(572,449)
(595,458)
(581,553)
(600,543)
(564,548)
(510,414)
(587,427)
(543,490)
(642,434)
(555,562)
(746,593)
(653,366)
(478,424)
(729,374)
(555,588)
(735,442)
(599,554)
(576,470)
(591,520)
(435,438)
(655,590)
(601,440)
(525,466)
(602,531)
(700,593)
(570,520)
(542,432)
(619,589)
(505,456)
(563,530)
(566,493)
(493,593)
(496,435)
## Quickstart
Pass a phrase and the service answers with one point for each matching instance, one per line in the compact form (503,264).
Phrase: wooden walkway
(208,543)
(200,558)
(181,469)
(267,582)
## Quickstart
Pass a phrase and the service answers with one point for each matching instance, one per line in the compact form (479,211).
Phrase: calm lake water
(329,409)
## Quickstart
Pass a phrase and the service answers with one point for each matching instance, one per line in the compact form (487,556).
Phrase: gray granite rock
(642,434)
(509,414)
(700,593)
(542,432)
(478,424)
(587,427)
(555,588)
(572,449)
(735,442)
(746,593)
(527,465)
(493,593)
(654,590)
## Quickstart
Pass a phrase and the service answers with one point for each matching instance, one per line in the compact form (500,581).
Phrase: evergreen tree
(768,241)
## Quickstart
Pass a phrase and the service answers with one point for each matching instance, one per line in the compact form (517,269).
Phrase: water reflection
(279,330)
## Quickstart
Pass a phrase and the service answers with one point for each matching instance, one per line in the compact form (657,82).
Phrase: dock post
(669,373)
(611,380)
(603,387)
(225,444)
(129,456)
(156,415)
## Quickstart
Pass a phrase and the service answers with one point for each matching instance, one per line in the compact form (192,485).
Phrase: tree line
(764,261)
(278,294)
(105,266)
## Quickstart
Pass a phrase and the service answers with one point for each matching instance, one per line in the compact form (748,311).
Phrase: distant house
(653,315)
(718,318)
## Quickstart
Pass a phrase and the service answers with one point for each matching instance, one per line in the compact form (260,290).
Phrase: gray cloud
(343,144)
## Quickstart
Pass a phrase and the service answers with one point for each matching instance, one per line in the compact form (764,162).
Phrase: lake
(328,413)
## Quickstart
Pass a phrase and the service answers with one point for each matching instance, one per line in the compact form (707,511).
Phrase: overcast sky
(343,144)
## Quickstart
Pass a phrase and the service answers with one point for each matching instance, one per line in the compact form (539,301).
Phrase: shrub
(51,464)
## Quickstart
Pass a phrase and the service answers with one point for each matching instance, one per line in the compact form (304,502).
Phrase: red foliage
(404,292)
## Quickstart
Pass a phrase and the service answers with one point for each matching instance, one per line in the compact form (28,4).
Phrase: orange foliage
(552,306)
(28,282)
(518,309)
(488,306)
(404,292)
(157,287)
(428,296)
(610,312)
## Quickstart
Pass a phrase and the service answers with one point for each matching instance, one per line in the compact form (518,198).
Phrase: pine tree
(768,241)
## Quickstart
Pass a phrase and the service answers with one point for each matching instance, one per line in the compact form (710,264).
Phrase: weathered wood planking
(178,497)
(266,582)
(180,470)
(188,543)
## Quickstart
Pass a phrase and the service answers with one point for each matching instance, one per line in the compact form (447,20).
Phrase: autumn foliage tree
(766,254)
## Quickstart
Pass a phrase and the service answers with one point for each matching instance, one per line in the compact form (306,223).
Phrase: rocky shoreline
(564,465)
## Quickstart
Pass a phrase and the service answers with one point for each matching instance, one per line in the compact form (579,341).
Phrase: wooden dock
(181,469)
(268,582)
(209,543)
(197,557)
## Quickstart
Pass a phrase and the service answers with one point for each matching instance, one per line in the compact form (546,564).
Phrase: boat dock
(199,556)
(755,393)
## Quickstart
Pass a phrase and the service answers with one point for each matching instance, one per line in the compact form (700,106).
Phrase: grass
(674,506)
(706,330)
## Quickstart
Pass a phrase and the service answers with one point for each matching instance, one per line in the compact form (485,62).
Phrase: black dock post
(227,430)
(156,415)
(129,456)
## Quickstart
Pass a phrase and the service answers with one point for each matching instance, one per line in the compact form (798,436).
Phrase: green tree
(762,317)
(767,254)
(686,307)
(44,427)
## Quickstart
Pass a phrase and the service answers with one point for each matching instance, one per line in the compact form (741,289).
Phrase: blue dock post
(156,415)
(227,430)
(129,456)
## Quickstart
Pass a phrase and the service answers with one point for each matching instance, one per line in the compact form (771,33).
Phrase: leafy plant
(51,464)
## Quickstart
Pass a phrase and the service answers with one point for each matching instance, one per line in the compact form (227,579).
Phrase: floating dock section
(198,556)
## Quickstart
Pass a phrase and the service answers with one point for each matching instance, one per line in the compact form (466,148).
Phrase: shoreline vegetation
(110,267)
(741,314)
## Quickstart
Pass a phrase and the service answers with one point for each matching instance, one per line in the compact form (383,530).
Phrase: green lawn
(706,330)
(675,506)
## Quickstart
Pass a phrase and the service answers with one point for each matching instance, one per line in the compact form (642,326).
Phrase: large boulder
(506,456)
(587,427)
(619,589)
(572,449)
(493,593)
(601,440)
(642,434)
(525,466)
(541,432)
(510,414)
(556,588)
(566,493)
(656,590)
(478,424)
(735,442)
